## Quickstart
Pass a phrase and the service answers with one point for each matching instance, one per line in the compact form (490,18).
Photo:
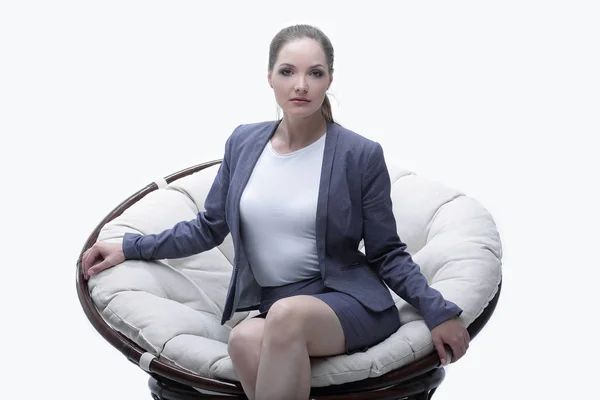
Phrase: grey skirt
(362,327)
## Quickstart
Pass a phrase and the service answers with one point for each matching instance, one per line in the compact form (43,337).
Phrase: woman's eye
(288,72)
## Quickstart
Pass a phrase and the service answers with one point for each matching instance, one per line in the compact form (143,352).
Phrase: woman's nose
(301,86)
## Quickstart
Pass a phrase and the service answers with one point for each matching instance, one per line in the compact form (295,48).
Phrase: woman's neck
(296,133)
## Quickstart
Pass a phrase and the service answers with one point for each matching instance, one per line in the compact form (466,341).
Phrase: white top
(278,211)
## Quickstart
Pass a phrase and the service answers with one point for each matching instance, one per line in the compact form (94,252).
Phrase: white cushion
(172,308)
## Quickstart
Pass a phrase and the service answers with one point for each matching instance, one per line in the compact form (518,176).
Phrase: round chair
(164,315)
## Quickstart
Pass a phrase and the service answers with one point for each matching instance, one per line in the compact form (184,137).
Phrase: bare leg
(244,348)
(296,328)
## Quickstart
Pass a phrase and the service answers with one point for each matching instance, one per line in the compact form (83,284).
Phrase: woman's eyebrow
(293,66)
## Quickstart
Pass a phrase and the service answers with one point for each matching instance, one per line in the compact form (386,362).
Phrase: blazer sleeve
(387,253)
(186,238)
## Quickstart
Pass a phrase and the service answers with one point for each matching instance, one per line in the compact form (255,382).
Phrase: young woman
(298,195)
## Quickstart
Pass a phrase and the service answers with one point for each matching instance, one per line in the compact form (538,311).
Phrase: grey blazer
(354,203)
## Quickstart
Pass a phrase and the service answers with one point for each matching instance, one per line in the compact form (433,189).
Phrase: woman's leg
(244,346)
(295,328)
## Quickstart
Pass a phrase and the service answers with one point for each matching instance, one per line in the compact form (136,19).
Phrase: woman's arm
(387,253)
(186,238)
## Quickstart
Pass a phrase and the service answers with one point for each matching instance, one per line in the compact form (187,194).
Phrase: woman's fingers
(98,267)
(103,256)
(85,262)
(459,345)
(439,346)
(88,259)
(457,350)
(453,335)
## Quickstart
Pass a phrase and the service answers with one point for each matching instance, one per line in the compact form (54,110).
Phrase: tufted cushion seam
(175,363)
(341,373)
(416,351)
(133,328)
(184,193)
(191,281)
(95,295)
(397,361)
(435,215)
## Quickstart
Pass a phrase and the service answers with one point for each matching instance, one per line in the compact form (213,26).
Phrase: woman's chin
(297,112)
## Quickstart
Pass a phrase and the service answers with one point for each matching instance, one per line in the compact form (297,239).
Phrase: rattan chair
(416,379)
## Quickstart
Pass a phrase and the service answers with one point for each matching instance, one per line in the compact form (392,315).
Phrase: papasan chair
(164,315)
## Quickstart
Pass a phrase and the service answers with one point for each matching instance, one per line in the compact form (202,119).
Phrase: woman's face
(300,78)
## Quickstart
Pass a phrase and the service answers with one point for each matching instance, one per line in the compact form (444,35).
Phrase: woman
(297,196)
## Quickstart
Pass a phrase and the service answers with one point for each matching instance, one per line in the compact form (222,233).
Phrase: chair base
(419,388)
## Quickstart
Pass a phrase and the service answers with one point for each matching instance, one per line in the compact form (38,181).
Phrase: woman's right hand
(101,256)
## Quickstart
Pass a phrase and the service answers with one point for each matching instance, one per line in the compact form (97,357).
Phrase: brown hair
(295,32)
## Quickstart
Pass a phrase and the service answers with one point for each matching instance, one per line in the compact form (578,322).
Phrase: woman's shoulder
(255,126)
(251,129)
(248,132)
(353,135)
(356,141)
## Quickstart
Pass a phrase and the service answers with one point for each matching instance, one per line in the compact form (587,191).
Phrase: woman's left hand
(453,333)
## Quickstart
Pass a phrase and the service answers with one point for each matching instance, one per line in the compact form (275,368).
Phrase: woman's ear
(269,80)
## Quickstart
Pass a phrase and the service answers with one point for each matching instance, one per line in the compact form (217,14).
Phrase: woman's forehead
(302,53)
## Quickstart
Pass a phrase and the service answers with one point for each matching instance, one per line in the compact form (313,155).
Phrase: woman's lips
(300,101)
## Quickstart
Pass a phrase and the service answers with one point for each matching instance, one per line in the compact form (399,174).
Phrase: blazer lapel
(246,166)
(322,202)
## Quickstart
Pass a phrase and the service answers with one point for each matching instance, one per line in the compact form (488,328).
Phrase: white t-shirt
(278,210)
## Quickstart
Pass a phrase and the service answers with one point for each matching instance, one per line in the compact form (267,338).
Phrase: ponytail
(326,110)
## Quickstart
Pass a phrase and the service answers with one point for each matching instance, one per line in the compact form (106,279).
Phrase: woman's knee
(283,325)
(245,339)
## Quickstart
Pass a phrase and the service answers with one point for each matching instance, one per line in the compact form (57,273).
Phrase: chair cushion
(172,308)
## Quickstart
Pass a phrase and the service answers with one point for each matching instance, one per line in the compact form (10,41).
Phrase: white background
(498,99)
